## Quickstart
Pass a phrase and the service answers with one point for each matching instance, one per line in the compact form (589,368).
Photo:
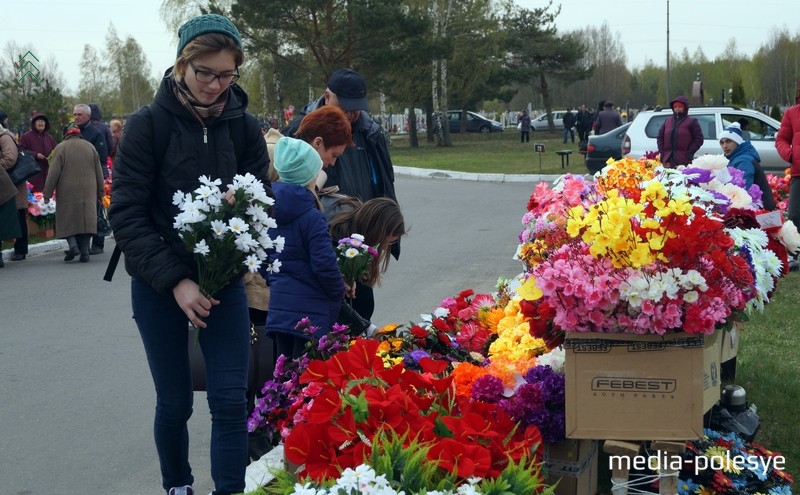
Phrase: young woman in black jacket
(199,114)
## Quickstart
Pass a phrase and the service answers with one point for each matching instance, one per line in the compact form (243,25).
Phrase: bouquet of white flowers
(227,237)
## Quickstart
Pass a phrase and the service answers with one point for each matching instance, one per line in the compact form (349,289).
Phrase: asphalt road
(76,398)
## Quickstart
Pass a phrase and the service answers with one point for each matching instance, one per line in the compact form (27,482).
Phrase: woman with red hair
(326,129)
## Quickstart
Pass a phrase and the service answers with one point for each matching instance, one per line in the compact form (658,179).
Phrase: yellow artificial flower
(529,291)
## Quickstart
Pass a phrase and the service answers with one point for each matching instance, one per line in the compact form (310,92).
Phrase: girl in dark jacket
(381,223)
(309,283)
(202,106)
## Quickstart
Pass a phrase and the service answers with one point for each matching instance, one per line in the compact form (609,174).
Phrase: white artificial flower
(252,263)
(351,253)
(218,227)
(740,198)
(555,359)
(206,180)
(691,296)
(790,237)
(270,223)
(261,197)
(204,192)
(237,225)
(441,312)
(179,198)
(710,162)
(201,248)
(306,489)
(275,266)
(242,181)
(215,201)
(257,213)
(245,242)
(279,242)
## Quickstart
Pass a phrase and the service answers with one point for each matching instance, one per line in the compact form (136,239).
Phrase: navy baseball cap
(350,88)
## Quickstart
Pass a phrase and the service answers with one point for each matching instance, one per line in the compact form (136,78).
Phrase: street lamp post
(667,87)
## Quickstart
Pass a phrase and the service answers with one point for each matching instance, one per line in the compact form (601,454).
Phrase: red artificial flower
(418,332)
(464,459)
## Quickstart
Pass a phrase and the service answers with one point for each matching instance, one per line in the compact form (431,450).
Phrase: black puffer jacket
(142,212)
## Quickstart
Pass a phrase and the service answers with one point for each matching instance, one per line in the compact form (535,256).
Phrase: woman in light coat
(76,177)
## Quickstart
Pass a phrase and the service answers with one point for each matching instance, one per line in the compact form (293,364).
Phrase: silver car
(762,129)
(540,122)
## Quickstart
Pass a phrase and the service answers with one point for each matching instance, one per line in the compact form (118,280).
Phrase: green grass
(769,357)
(499,152)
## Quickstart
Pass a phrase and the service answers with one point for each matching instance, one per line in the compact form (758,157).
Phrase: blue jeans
(226,345)
(570,132)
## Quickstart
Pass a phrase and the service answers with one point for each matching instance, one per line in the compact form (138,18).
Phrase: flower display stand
(35,229)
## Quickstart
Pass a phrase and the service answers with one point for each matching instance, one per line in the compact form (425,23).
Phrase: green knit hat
(296,161)
(208,23)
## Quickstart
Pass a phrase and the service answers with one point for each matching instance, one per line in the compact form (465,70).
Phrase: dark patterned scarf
(202,112)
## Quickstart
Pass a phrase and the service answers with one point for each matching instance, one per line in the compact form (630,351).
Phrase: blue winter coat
(309,282)
(742,159)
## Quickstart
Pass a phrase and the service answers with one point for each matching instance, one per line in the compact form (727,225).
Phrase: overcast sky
(59,29)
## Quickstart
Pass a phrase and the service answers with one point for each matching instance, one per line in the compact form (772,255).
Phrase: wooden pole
(620,467)
(668,476)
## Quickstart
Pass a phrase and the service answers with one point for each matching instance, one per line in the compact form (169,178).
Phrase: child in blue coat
(309,283)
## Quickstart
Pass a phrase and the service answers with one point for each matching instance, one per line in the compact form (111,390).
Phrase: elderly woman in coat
(9,224)
(75,175)
(8,158)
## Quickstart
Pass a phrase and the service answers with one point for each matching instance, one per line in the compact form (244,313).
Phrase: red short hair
(328,122)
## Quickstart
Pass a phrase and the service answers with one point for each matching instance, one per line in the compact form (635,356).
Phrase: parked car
(540,122)
(643,132)
(603,147)
(475,122)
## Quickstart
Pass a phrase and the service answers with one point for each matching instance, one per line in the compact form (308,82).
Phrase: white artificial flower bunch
(363,480)
(46,207)
(228,232)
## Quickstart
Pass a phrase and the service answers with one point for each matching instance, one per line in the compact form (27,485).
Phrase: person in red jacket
(680,137)
(787,143)
(40,143)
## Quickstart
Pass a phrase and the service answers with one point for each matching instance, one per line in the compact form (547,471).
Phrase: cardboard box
(640,387)
(729,345)
(573,465)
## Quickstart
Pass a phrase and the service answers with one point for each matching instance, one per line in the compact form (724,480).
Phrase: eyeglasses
(207,77)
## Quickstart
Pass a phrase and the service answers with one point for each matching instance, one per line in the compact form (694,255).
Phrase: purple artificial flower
(526,399)
(737,177)
(723,202)
(417,355)
(487,388)
(702,174)
(755,193)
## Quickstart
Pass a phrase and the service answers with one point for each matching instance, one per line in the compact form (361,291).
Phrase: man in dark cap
(365,170)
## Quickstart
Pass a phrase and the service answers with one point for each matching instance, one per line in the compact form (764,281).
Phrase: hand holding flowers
(354,257)
(227,232)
